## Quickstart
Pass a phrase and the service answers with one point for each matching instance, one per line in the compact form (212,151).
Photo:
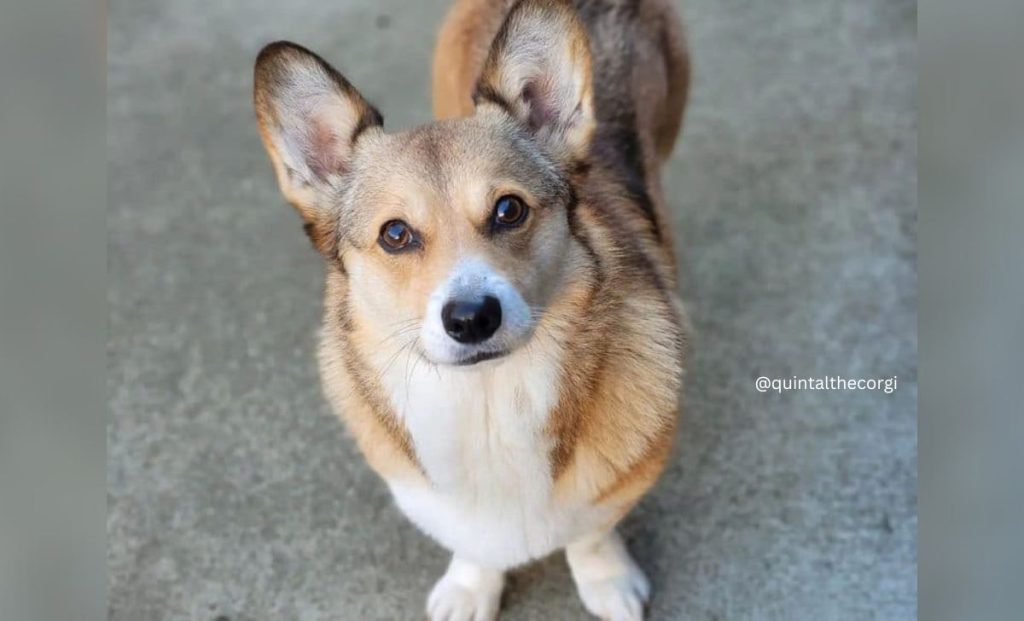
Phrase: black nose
(472,321)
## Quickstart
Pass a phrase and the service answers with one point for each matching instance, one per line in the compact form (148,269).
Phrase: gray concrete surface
(233,491)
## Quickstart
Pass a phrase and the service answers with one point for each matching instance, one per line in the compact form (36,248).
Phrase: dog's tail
(677,65)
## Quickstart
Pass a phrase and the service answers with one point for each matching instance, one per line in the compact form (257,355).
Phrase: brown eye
(395,235)
(509,211)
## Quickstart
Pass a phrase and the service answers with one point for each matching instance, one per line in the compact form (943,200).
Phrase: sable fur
(572,106)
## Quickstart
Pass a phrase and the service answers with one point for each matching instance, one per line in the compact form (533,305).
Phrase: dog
(502,334)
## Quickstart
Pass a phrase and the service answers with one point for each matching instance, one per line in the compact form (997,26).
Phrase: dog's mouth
(480,357)
(467,360)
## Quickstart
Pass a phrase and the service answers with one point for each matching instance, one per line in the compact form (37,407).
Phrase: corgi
(502,333)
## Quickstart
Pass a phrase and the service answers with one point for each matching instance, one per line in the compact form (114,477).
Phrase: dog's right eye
(509,212)
(395,236)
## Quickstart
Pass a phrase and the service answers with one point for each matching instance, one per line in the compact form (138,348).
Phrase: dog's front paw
(611,585)
(466,592)
(619,598)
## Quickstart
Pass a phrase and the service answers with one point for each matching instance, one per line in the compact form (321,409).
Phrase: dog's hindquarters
(641,74)
(641,64)
(673,69)
(462,47)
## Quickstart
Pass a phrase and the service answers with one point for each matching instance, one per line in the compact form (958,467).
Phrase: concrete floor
(233,491)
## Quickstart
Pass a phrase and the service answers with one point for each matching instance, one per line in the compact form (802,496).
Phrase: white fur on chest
(479,434)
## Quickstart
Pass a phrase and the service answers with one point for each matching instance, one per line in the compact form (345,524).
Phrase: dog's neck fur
(482,437)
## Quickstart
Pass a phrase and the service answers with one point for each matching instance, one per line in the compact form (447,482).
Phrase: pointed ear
(539,71)
(310,118)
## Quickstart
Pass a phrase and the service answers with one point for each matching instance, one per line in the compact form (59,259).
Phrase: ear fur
(309,117)
(539,70)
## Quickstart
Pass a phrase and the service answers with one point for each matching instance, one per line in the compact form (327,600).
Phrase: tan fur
(600,451)
(578,129)
(355,393)
(462,47)
(658,84)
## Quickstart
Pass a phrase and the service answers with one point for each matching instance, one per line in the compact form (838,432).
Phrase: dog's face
(458,228)
(454,235)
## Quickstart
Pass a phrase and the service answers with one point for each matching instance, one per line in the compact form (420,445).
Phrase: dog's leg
(466,592)
(609,581)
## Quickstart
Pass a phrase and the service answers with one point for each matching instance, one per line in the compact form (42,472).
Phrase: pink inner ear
(538,94)
(322,153)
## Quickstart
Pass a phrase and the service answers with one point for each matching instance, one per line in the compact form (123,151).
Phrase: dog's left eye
(396,236)
(510,211)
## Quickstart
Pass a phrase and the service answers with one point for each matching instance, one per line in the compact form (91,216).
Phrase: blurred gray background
(233,492)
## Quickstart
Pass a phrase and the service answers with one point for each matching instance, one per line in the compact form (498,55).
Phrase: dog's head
(456,232)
